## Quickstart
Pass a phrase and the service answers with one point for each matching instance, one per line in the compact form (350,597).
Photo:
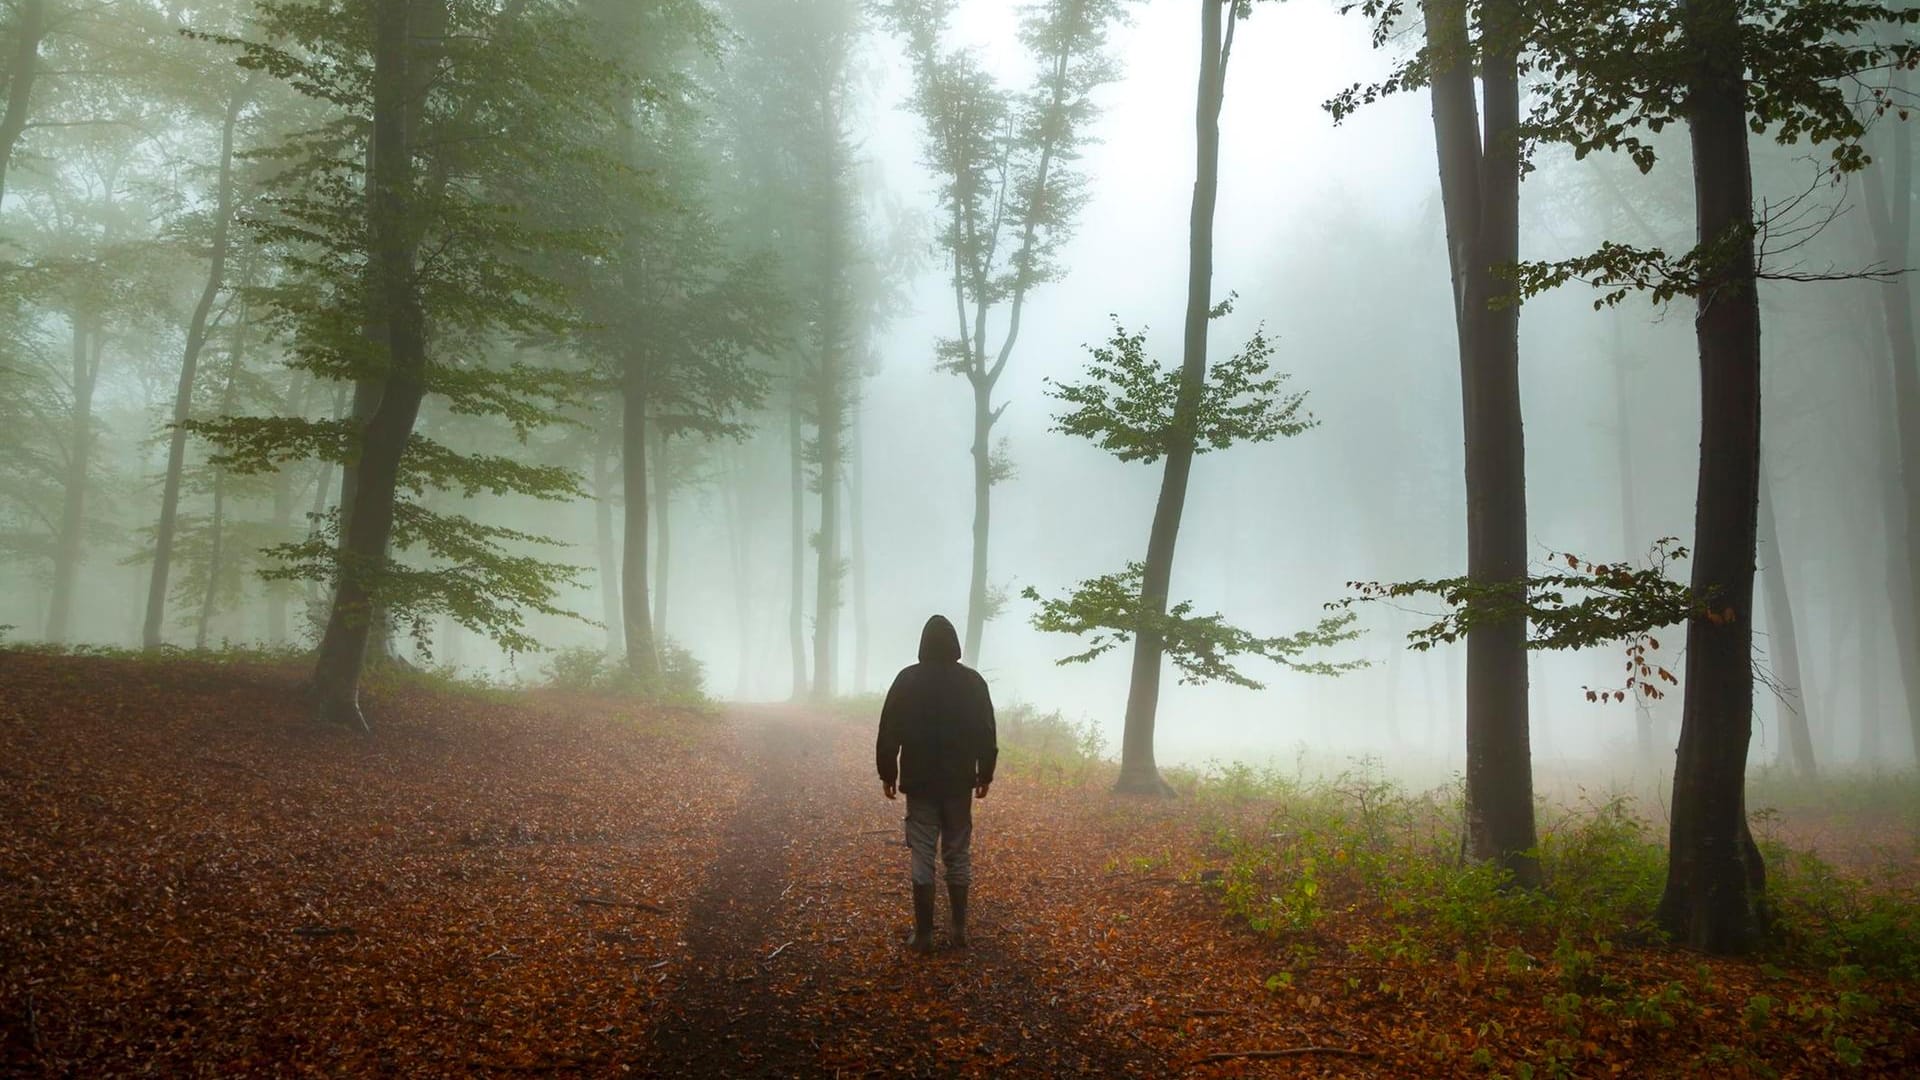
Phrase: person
(937,746)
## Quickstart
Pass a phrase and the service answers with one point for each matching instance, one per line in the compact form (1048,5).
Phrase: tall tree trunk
(1783,648)
(983,376)
(87,345)
(189,360)
(1890,214)
(604,547)
(1138,772)
(1480,194)
(742,567)
(1630,534)
(29,30)
(826,619)
(277,591)
(322,485)
(982,450)
(856,525)
(797,537)
(393,246)
(1715,890)
(217,523)
(662,469)
(643,655)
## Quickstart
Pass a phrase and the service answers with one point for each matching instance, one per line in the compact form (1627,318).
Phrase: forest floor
(193,880)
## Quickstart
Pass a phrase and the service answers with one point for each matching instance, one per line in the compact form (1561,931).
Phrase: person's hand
(887,789)
(980,789)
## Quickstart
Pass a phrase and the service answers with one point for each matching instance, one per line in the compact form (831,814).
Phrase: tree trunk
(734,499)
(1480,193)
(662,469)
(1630,534)
(826,619)
(1139,774)
(1890,214)
(189,360)
(393,245)
(856,525)
(643,655)
(87,345)
(797,535)
(1783,646)
(1714,897)
(216,524)
(277,590)
(604,547)
(29,30)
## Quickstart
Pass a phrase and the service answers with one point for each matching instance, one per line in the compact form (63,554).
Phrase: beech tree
(1139,412)
(1477,143)
(1008,195)
(366,192)
(1609,75)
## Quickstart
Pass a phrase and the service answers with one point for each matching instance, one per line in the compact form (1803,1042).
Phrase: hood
(938,641)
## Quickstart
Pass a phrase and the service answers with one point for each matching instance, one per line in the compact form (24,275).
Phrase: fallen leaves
(197,881)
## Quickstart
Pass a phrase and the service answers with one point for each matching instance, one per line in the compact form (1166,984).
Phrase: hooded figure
(937,745)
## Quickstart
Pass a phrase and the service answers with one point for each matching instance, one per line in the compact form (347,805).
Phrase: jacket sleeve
(886,748)
(988,750)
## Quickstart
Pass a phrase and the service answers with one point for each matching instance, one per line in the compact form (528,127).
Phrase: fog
(1330,235)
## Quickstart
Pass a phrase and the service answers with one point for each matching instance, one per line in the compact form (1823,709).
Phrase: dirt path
(794,958)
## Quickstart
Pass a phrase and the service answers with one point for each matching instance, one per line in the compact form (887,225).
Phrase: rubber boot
(957,902)
(922,939)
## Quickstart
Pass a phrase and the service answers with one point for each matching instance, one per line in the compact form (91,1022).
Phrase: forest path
(194,880)
(795,961)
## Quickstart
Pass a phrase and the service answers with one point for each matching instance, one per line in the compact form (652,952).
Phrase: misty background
(1330,235)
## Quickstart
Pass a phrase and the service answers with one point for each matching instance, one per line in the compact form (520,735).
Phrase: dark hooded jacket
(936,728)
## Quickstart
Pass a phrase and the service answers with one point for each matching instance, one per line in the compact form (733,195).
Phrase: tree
(197,327)
(1608,75)
(1477,143)
(1783,646)
(1139,412)
(496,112)
(1009,195)
(1888,194)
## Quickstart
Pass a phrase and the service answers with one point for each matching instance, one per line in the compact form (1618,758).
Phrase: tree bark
(604,547)
(1138,772)
(857,568)
(86,350)
(643,656)
(662,470)
(1890,214)
(1480,194)
(217,523)
(1715,890)
(797,537)
(826,619)
(150,632)
(393,247)
(741,565)
(29,31)
(1783,645)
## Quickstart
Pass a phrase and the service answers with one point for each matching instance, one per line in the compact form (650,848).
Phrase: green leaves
(1130,405)
(1109,610)
(1586,604)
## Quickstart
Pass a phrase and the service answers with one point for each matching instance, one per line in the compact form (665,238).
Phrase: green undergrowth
(588,669)
(1299,851)
(1356,870)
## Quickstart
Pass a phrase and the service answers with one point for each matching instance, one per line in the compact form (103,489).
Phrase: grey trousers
(948,823)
